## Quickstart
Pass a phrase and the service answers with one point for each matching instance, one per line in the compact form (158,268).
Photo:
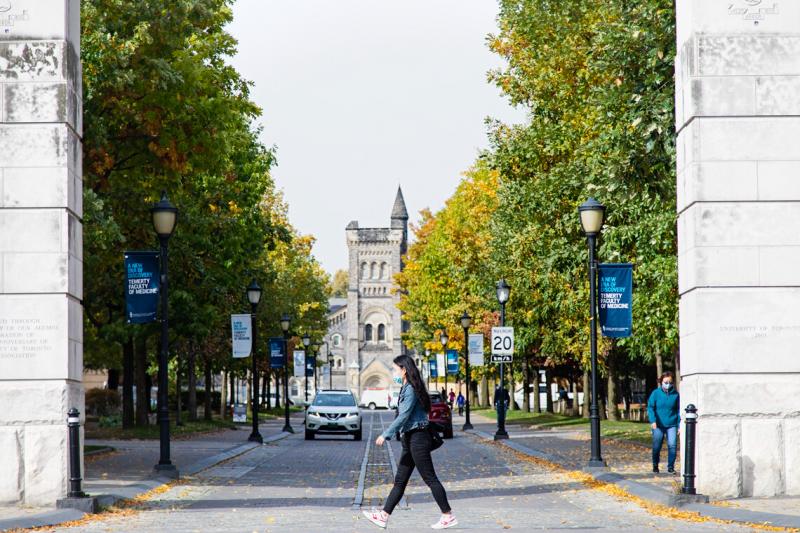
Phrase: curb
(655,495)
(126,492)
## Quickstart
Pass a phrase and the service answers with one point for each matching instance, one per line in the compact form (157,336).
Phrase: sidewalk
(127,471)
(630,468)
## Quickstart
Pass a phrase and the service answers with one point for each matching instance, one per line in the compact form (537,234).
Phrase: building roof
(335,304)
(399,208)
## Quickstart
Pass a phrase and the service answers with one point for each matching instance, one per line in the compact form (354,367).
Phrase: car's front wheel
(357,435)
(309,435)
(372,406)
(448,431)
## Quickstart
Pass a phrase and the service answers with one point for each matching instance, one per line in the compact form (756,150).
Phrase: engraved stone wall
(738,163)
(41,248)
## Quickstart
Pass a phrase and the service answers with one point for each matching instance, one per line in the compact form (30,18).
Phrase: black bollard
(75,479)
(688,452)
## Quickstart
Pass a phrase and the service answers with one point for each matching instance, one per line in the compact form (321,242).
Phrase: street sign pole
(502,352)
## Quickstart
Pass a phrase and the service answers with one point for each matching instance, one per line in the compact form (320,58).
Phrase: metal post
(305,373)
(255,436)
(596,459)
(74,434)
(164,465)
(688,453)
(501,433)
(286,426)
(467,424)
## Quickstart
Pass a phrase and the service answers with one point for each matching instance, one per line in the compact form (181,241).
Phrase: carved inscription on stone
(759,332)
(755,10)
(25,338)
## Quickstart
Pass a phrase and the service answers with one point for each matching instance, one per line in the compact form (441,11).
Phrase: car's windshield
(436,397)
(335,400)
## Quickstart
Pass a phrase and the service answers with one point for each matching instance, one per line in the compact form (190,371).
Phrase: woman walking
(411,425)
(663,411)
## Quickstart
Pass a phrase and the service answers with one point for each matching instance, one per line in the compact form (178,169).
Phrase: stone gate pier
(41,356)
(738,121)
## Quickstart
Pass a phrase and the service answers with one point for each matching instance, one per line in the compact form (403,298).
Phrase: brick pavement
(309,486)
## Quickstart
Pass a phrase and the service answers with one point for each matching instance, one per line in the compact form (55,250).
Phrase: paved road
(311,486)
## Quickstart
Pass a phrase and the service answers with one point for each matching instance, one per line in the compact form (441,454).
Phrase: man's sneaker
(655,469)
(376,517)
(445,522)
(671,471)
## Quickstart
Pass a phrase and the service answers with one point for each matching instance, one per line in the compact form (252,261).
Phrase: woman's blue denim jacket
(410,413)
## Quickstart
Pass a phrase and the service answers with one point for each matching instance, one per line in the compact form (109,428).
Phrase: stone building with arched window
(365,328)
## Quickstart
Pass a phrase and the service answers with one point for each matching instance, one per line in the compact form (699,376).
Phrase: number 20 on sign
(502,344)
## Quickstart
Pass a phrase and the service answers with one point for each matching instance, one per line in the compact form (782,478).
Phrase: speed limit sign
(502,345)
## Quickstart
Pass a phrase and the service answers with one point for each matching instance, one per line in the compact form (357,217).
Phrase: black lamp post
(307,344)
(286,322)
(330,365)
(503,291)
(444,339)
(254,296)
(165,217)
(428,359)
(466,322)
(592,214)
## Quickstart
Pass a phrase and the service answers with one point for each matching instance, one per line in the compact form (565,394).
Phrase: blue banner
(615,299)
(311,364)
(277,351)
(432,364)
(452,361)
(142,282)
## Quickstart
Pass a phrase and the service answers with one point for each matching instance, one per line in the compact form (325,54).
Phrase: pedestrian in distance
(460,402)
(444,395)
(452,398)
(412,428)
(497,396)
(663,411)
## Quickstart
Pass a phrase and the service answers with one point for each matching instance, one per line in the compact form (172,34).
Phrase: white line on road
(360,488)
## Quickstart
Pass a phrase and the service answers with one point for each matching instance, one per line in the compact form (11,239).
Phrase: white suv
(333,411)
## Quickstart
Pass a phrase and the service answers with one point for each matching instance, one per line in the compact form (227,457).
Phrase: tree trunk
(277,390)
(191,373)
(547,379)
(537,401)
(263,382)
(526,385)
(223,398)
(178,386)
(613,408)
(268,381)
(587,396)
(140,376)
(127,384)
(233,389)
(574,410)
(659,365)
(208,391)
(249,387)
(484,391)
(512,402)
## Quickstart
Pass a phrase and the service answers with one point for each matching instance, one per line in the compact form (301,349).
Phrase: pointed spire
(399,209)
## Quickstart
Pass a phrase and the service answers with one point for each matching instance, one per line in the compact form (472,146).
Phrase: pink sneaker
(445,522)
(376,517)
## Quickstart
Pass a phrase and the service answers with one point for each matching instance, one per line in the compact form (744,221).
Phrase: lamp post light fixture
(592,214)
(503,292)
(444,339)
(466,322)
(253,292)
(307,345)
(165,218)
(286,322)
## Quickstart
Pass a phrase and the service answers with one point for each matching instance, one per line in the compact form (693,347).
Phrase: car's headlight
(312,413)
(351,415)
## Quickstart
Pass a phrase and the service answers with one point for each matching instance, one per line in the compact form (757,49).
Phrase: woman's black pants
(416,453)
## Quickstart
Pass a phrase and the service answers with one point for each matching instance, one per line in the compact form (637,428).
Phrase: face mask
(666,386)
(397,379)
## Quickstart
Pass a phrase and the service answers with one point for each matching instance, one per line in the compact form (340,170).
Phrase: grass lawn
(622,429)
(152,431)
(274,412)
(89,448)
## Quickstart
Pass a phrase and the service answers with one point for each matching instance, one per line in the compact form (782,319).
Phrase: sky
(360,96)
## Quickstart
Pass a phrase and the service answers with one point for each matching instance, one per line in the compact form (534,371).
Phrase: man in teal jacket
(663,411)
